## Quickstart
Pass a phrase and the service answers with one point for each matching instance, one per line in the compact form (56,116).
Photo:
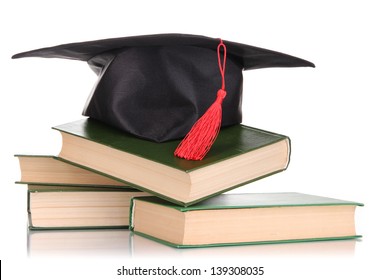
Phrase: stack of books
(106,178)
(162,87)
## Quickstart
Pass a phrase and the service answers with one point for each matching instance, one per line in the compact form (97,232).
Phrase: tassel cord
(204,132)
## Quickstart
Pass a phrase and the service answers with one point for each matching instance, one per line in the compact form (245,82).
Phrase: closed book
(240,155)
(241,219)
(74,207)
(52,170)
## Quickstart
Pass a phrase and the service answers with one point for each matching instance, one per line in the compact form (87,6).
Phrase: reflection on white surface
(79,243)
(123,243)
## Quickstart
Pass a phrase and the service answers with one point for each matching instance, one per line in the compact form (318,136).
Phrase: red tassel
(204,132)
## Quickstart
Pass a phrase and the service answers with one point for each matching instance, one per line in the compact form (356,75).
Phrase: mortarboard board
(157,86)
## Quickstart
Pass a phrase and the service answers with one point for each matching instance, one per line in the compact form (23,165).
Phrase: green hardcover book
(240,155)
(52,170)
(241,219)
(74,207)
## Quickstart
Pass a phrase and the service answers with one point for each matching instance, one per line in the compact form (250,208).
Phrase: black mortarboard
(157,86)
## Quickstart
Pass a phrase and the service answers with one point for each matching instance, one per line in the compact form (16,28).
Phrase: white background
(331,113)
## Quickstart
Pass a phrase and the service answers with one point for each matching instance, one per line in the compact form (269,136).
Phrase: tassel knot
(221,94)
(204,132)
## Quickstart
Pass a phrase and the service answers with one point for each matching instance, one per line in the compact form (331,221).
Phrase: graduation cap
(158,86)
